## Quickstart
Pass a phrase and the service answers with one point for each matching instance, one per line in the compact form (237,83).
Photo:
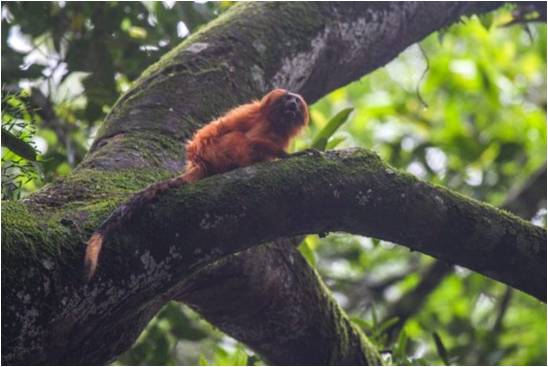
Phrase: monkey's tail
(122,214)
(93,248)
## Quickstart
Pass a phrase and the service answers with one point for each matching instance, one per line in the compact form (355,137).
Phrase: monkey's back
(222,145)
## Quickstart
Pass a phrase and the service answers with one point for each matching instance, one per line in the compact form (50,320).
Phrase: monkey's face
(286,110)
(293,109)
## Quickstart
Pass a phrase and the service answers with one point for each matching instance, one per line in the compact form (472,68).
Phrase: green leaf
(385,325)
(306,250)
(364,325)
(18,146)
(320,140)
(332,143)
(137,32)
(401,345)
(202,361)
(239,358)
(486,20)
(180,325)
(374,316)
(441,34)
(442,352)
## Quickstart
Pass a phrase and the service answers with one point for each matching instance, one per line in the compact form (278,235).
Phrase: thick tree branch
(274,293)
(523,200)
(363,195)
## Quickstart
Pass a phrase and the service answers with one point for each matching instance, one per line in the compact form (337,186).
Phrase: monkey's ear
(279,91)
(273,96)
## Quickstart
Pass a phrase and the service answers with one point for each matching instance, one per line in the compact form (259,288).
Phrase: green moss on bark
(35,228)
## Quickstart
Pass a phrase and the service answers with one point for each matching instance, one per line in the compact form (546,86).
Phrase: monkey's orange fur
(253,132)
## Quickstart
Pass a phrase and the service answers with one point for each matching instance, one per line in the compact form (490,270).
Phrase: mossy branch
(171,250)
(348,190)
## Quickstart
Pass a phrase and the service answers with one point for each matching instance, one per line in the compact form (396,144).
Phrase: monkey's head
(286,111)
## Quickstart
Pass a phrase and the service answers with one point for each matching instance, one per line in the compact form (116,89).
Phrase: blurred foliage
(466,109)
(19,156)
(177,336)
(476,123)
(76,58)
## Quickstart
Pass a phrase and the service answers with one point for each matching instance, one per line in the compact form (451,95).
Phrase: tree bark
(524,200)
(50,316)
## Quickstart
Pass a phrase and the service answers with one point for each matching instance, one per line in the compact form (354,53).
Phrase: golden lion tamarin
(253,132)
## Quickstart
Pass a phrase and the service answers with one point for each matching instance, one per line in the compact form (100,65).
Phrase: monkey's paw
(310,151)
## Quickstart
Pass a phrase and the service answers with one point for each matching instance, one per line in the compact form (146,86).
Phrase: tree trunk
(182,247)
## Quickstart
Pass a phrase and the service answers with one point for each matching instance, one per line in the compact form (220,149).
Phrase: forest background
(465,108)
